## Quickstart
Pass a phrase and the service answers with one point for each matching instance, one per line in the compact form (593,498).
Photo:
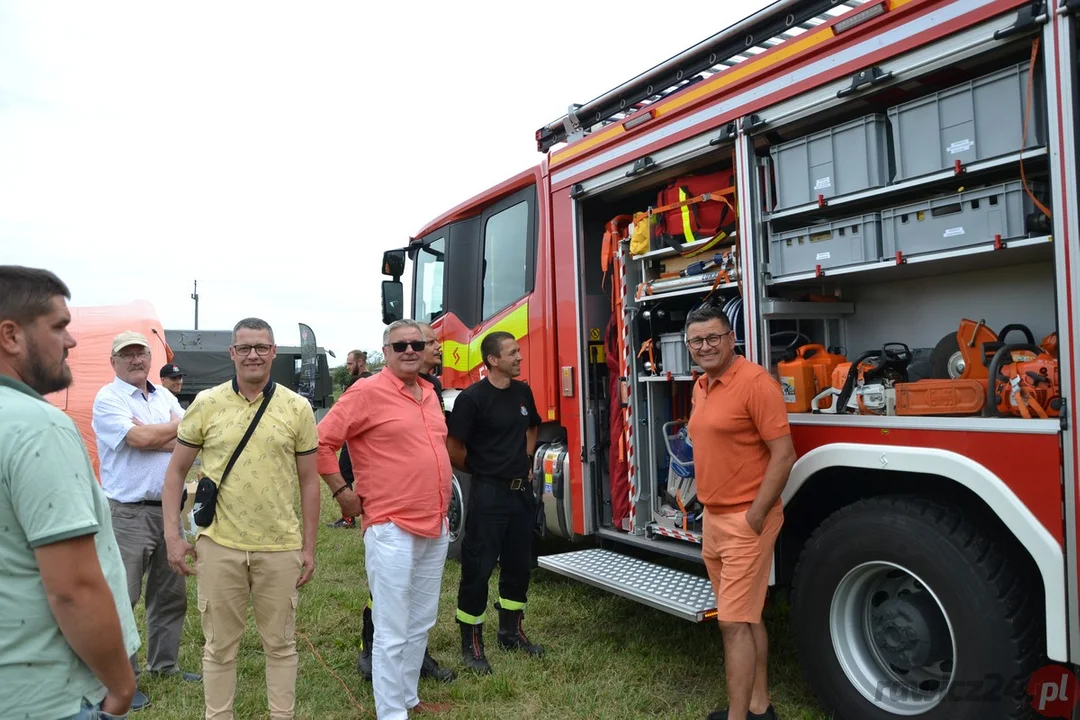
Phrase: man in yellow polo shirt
(254,546)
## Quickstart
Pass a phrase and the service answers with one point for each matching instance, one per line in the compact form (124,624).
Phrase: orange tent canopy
(94,328)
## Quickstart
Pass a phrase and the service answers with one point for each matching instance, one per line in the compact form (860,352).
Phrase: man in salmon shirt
(742,457)
(395,430)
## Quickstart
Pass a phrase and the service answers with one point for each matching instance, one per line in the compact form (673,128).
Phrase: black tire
(455,514)
(992,603)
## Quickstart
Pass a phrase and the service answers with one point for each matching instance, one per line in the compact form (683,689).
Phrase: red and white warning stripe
(628,414)
(686,535)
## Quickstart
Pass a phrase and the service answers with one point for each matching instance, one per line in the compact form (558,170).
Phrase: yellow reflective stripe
(455,355)
(463,358)
(510,604)
(468,619)
(688,233)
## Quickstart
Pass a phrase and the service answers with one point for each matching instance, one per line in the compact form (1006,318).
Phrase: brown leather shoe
(430,707)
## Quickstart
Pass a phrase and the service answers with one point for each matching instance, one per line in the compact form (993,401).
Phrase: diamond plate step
(679,593)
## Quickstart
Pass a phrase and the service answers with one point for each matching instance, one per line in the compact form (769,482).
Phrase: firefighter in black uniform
(492,436)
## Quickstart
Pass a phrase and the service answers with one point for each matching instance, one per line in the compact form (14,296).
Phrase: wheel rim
(893,638)
(453,512)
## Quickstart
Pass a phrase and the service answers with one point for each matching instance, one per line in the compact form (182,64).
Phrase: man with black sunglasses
(493,431)
(402,506)
(429,667)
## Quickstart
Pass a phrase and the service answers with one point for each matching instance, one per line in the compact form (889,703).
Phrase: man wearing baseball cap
(135,424)
(172,378)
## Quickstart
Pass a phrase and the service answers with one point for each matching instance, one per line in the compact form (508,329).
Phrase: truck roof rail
(770,26)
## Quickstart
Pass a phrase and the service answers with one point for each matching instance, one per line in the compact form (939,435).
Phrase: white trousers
(405,577)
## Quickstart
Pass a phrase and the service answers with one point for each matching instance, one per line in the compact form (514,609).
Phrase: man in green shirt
(66,626)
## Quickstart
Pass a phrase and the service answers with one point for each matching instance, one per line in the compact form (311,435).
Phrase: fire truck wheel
(455,514)
(905,607)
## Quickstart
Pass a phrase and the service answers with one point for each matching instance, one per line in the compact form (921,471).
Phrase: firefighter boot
(431,669)
(512,635)
(472,648)
(367,637)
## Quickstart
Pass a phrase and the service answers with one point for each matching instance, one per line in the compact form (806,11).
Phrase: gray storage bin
(956,221)
(851,241)
(976,120)
(843,159)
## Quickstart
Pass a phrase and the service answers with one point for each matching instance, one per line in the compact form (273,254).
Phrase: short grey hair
(398,324)
(252,323)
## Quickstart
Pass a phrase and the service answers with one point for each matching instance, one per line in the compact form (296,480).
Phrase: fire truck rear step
(674,591)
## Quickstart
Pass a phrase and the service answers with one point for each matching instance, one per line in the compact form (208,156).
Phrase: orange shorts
(739,561)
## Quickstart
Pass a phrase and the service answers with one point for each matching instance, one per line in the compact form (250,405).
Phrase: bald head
(433,351)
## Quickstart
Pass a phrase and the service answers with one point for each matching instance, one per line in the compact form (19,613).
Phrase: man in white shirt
(135,423)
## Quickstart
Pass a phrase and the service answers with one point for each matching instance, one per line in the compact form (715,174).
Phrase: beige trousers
(226,578)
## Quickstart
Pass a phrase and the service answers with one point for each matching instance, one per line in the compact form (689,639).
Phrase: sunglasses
(416,345)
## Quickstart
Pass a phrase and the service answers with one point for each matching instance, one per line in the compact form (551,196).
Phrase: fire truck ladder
(775,24)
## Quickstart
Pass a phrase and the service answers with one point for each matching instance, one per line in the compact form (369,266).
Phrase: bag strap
(247,436)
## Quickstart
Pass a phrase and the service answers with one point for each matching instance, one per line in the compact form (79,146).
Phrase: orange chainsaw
(865,385)
(1024,380)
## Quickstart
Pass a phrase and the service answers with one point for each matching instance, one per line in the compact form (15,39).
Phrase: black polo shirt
(492,423)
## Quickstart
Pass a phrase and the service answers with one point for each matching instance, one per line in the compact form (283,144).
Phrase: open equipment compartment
(654,248)
(942,265)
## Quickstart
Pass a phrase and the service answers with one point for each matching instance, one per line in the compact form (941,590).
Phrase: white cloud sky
(273,150)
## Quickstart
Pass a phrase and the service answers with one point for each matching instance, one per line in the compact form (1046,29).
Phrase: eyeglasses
(416,345)
(710,340)
(245,350)
(138,354)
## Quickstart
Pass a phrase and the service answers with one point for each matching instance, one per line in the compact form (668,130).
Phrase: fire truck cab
(882,197)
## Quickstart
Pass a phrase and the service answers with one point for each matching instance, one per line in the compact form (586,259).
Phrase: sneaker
(343,523)
(139,701)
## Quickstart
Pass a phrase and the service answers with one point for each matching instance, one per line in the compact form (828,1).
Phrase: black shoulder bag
(207,491)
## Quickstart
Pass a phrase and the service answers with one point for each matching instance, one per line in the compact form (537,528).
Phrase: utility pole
(195,297)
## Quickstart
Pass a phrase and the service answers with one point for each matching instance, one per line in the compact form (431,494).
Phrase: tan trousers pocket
(207,622)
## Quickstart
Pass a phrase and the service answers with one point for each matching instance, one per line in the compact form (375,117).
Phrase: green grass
(607,657)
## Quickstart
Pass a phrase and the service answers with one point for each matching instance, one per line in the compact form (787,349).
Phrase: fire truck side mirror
(393,301)
(393,263)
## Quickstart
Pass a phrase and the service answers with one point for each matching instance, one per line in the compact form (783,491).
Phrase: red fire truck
(882,196)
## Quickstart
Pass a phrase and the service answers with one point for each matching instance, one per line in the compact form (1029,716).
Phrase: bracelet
(338,491)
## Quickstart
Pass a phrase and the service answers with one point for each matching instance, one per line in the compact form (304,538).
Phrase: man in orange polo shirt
(742,457)
(395,430)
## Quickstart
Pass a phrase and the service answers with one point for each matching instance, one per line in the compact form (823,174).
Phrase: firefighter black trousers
(498,528)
